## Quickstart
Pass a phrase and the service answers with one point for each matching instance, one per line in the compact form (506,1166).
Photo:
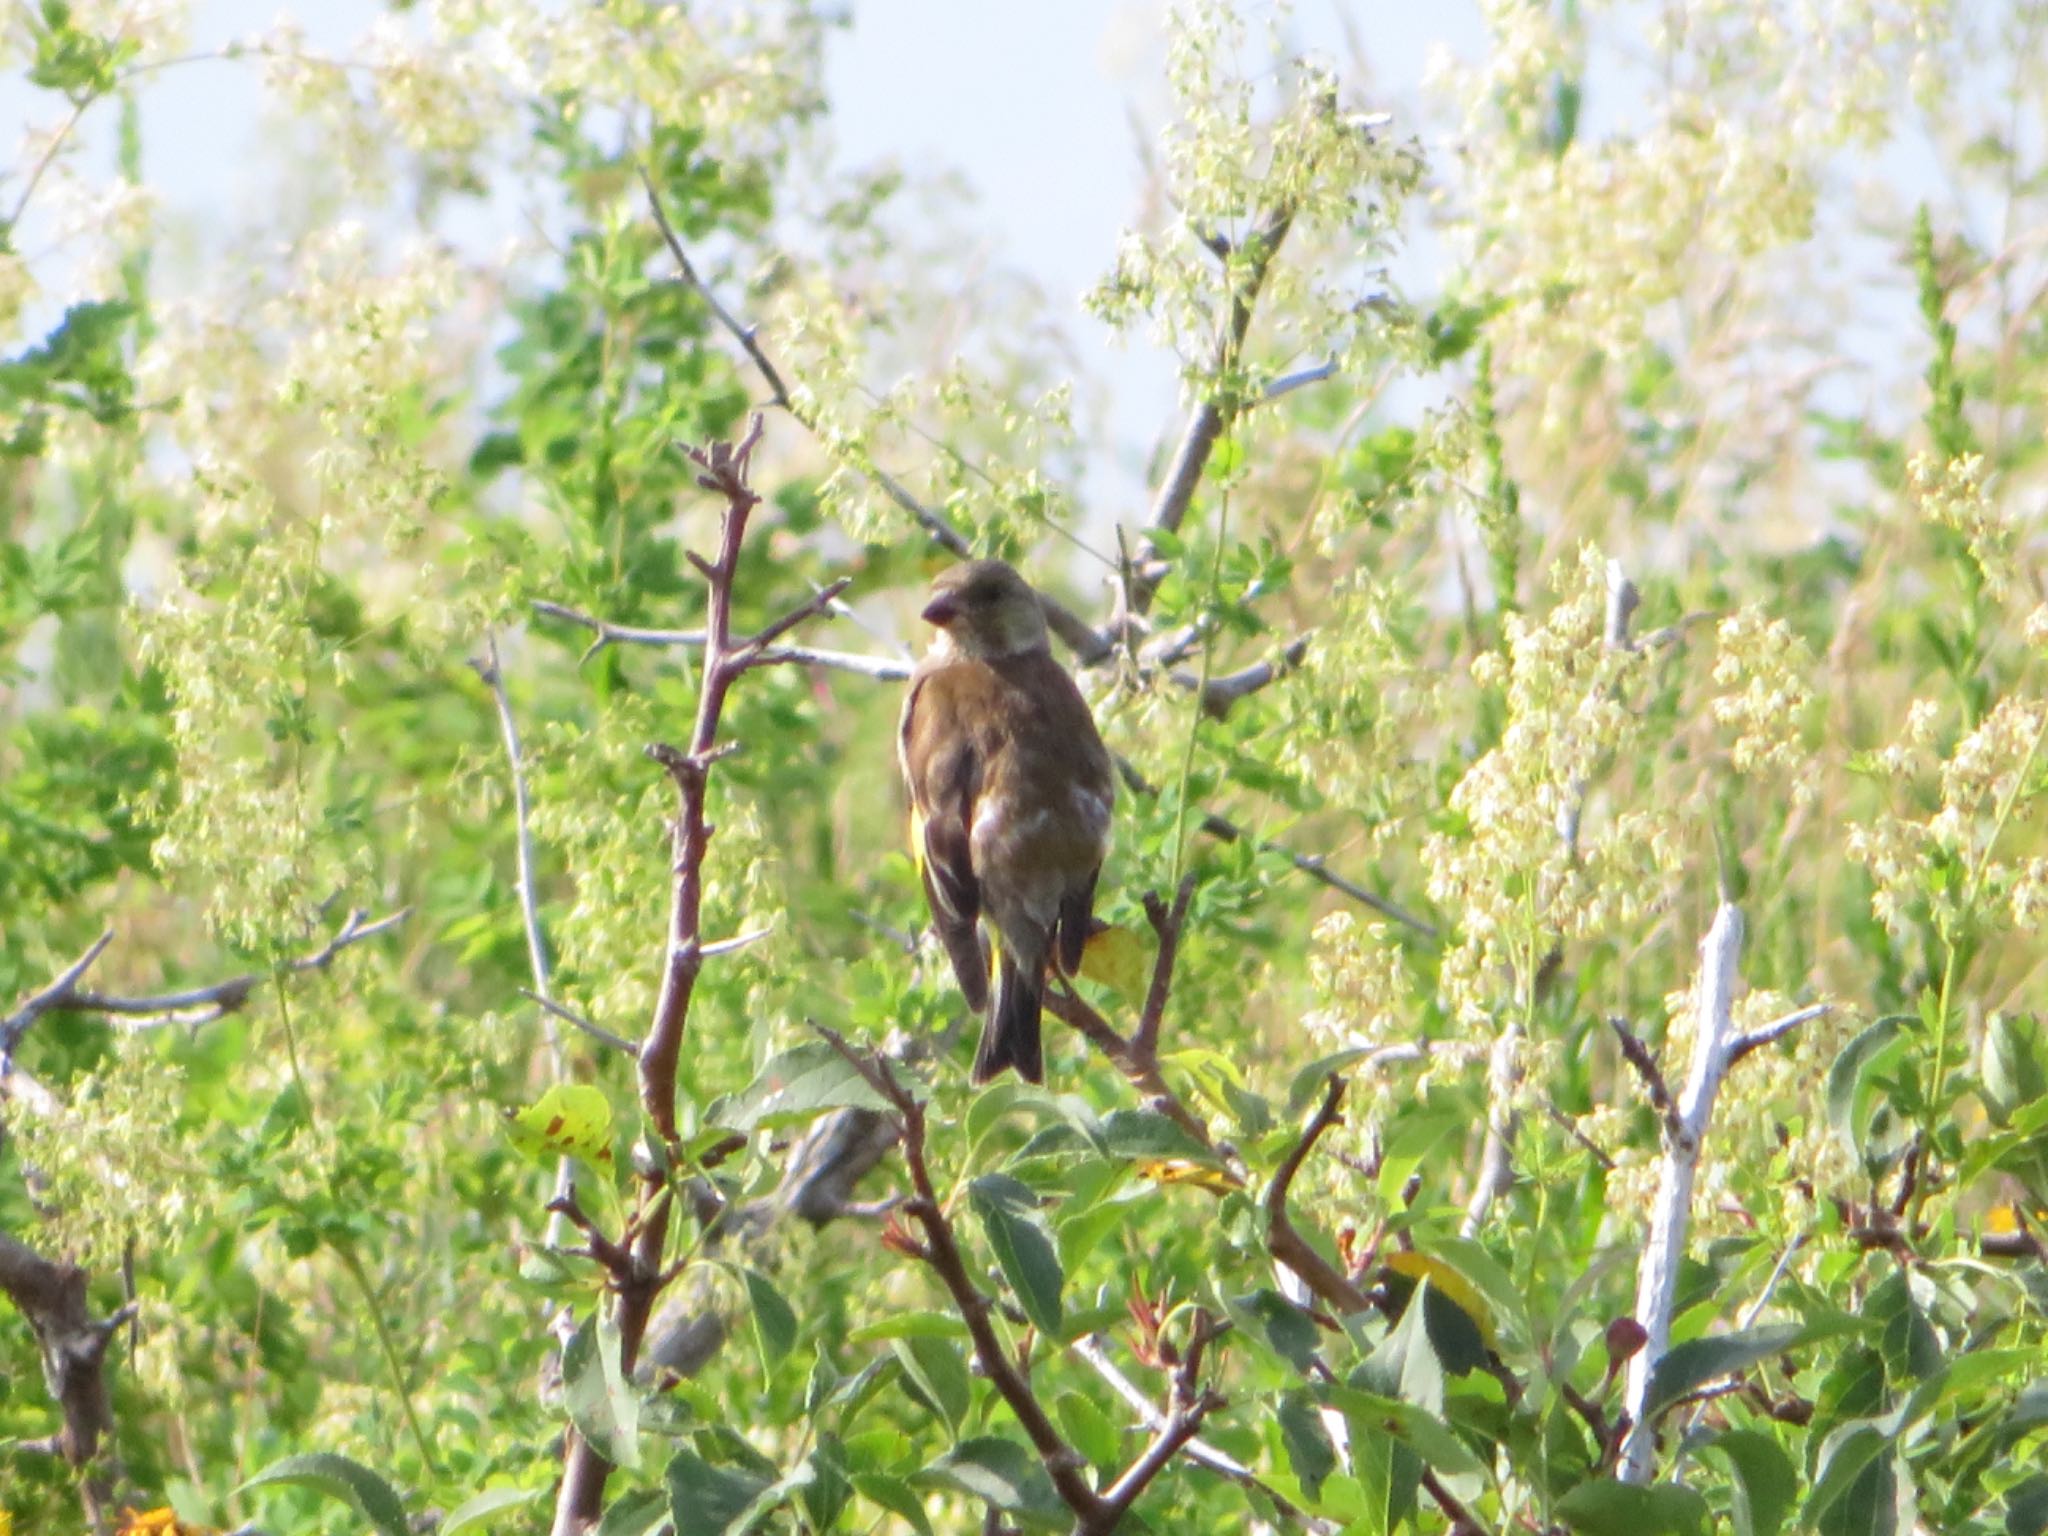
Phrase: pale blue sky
(1034,106)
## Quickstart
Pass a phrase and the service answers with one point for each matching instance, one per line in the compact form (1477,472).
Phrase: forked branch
(1095,1514)
(635,1259)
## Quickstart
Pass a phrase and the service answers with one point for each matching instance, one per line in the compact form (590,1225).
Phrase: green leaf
(1698,1361)
(1911,1349)
(894,1495)
(1855,1488)
(1765,1485)
(704,1500)
(634,1513)
(997,1471)
(1309,1451)
(601,1401)
(2026,1507)
(1147,1133)
(569,1120)
(478,1510)
(799,1085)
(1291,1332)
(1372,1413)
(1849,1076)
(339,1478)
(1023,1248)
(1090,1429)
(2015,1066)
(910,1325)
(1604,1507)
(1406,1363)
(825,1488)
(775,1324)
(939,1374)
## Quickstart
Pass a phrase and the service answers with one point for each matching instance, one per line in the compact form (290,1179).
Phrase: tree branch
(1225,830)
(942,1252)
(1191,1403)
(1217,410)
(635,1262)
(195,1005)
(1220,694)
(52,1298)
(1284,1241)
(1715,1044)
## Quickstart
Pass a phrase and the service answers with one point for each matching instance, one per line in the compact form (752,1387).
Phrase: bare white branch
(1716,1046)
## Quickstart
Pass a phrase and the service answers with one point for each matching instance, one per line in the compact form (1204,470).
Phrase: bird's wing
(943,772)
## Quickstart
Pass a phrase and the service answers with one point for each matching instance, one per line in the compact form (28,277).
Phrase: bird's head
(984,608)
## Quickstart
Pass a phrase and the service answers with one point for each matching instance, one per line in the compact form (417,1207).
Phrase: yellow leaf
(570,1119)
(1448,1283)
(1181,1170)
(1114,958)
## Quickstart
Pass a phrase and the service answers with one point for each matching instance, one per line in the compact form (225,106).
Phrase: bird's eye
(983,593)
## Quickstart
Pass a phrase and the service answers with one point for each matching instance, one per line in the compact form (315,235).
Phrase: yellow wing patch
(1181,1170)
(1115,958)
(1447,1282)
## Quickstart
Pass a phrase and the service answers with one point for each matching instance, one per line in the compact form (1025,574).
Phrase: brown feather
(1014,789)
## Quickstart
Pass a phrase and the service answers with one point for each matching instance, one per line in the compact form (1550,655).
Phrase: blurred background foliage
(1739,305)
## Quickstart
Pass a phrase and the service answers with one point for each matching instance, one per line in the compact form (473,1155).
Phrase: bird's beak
(942,610)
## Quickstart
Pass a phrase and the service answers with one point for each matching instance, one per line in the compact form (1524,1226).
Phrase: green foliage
(1436,847)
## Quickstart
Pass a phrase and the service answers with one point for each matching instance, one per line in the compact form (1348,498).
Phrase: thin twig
(1284,1241)
(492,673)
(1777,1029)
(1225,830)
(590,1027)
(194,1005)
(1089,645)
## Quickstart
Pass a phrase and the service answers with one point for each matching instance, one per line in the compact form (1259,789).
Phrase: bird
(1011,791)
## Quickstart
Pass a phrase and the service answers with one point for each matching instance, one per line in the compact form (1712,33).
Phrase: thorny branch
(1096,1514)
(635,1260)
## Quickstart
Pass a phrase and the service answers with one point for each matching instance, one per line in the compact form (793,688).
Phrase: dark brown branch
(639,1282)
(1167,923)
(1221,694)
(52,1298)
(1142,1073)
(1638,1056)
(1462,1523)
(1191,1404)
(1284,1241)
(942,1253)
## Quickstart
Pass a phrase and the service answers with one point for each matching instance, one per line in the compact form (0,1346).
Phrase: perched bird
(1010,794)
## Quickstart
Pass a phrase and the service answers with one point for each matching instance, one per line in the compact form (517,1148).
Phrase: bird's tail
(1009,1035)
